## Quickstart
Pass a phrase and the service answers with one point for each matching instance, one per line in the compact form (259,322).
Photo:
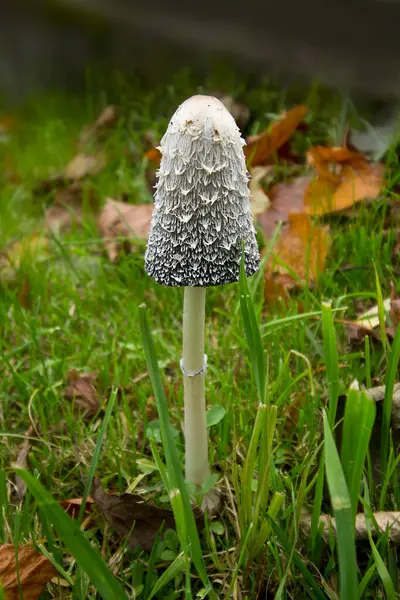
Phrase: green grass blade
(174,467)
(253,336)
(96,453)
(382,570)
(359,417)
(68,530)
(297,561)
(393,360)
(331,360)
(176,567)
(341,504)
(381,311)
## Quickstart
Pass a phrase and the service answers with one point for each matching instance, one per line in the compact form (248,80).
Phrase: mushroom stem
(193,367)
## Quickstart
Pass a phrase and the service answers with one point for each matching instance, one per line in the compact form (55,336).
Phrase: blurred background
(47,44)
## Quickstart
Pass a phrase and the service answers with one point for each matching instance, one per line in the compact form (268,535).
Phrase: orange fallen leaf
(302,249)
(34,571)
(343,178)
(285,198)
(262,146)
(119,223)
(321,157)
(154,156)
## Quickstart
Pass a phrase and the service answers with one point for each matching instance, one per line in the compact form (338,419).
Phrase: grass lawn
(64,305)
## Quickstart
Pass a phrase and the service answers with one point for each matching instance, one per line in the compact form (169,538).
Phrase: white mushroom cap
(202,200)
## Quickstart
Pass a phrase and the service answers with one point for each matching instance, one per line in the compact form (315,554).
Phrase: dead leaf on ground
(259,199)
(322,158)
(120,220)
(72,506)
(22,463)
(83,165)
(286,198)
(35,571)
(367,323)
(82,393)
(343,178)
(261,147)
(130,516)
(67,208)
(107,119)
(302,248)
(154,155)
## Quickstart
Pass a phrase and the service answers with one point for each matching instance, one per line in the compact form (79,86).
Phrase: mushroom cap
(202,210)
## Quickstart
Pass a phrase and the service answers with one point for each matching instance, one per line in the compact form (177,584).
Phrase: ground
(65,306)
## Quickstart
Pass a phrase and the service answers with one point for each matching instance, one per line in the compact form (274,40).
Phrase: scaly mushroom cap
(202,200)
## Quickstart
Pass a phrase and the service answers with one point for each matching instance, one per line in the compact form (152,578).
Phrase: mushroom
(201,222)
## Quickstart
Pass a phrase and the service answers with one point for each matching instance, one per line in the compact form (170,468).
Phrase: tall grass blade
(359,417)
(176,567)
(341,504)
(331,360)
(96,453)
(393,360)
(253,336)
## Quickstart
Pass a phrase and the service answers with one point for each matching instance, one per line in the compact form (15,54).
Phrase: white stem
(196,442)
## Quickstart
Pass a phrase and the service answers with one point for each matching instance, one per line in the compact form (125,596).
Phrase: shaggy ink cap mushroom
(202,201)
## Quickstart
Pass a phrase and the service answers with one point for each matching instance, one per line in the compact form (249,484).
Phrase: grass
(84,314)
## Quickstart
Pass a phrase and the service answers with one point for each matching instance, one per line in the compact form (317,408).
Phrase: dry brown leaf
(120,220)
(83,165)
(303,248)
(67,208)
(35,570)
(322,157)
(357,333)
(73,506)
(22,463)
(82,393)
(154,155)
(259,199)
(128,512)
(261,147)
(367,323)
(343,178)
(286,198)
